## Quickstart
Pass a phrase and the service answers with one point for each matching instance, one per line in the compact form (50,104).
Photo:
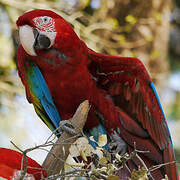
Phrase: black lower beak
(41,40)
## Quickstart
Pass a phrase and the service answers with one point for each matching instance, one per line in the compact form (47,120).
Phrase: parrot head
(41,30)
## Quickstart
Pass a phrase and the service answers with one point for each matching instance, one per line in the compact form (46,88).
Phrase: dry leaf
(75,164)
(113,178)
(139,174)
(83,155)
(102,141)
(81,146)
(98,152)
(103,161)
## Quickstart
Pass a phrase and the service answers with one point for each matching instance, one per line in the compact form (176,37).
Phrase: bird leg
(66,125)
(117,144)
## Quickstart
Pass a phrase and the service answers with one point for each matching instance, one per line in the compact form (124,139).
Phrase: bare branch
(54,164)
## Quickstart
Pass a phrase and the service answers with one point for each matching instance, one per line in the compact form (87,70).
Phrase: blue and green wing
(41,97)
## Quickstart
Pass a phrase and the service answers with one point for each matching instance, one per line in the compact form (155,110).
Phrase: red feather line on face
(118,88)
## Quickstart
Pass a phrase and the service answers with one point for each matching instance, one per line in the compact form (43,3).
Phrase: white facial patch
(46,25)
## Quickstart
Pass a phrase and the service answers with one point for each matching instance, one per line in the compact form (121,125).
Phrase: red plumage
(118,88)
(10,161)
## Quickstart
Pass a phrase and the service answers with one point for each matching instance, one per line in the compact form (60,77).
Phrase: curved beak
(32,39)
(27,39)
(42,41)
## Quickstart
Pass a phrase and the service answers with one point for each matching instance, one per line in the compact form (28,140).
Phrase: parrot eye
(44,23)
(46,19)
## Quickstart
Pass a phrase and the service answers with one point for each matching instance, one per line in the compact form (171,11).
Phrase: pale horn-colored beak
(27,39)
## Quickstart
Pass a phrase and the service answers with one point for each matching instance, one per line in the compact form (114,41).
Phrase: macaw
(10,164)
(59,71)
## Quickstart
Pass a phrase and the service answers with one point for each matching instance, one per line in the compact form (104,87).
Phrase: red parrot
(59,71)
(10,165)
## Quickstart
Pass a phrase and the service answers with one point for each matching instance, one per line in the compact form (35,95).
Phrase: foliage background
(149,30)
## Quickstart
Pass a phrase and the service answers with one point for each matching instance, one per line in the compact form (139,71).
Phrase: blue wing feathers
(40,90)
(157,97)
(165,123)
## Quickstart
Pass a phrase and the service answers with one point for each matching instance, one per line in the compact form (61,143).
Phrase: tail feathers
(171,168)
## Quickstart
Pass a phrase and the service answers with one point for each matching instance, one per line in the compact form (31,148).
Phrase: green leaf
(131,19)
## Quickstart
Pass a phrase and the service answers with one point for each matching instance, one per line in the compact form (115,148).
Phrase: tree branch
(55,159)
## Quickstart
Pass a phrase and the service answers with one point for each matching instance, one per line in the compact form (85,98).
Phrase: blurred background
(149,30)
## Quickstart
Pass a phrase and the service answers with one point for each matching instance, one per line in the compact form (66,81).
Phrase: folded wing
(37,91)
(128,84)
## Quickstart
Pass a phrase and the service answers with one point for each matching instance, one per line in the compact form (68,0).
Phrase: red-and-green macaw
(59,71)
(11,164)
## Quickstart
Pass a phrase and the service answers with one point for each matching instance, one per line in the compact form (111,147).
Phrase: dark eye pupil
(45,19)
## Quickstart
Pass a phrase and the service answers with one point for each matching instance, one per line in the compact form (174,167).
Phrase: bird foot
(117,145)
(67,126)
